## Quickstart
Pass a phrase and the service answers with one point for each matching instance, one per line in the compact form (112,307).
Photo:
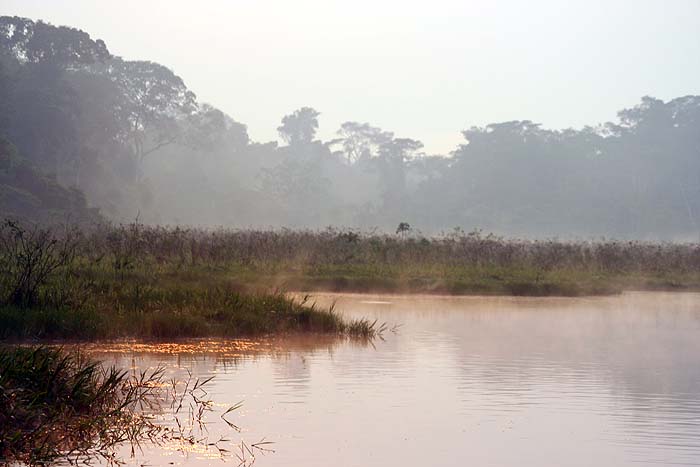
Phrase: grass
(479,280)
(166,312)
(59,404)
(156,282)
(61,407)
(67,285)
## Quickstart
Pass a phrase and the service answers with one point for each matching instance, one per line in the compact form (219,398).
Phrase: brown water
(465,381)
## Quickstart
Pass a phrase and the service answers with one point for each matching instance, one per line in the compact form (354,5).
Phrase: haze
(423,69)
(533,121)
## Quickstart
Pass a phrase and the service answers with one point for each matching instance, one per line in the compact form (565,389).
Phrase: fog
(424,69)
(522,119)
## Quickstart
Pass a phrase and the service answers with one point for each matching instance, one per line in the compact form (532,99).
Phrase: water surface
(611,381)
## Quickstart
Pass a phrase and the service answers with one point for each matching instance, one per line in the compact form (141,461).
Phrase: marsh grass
(177,313)
(157,282)
(61,406)
(454,263)
(105,284)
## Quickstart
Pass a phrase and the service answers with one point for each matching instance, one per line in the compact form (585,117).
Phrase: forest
(87,136)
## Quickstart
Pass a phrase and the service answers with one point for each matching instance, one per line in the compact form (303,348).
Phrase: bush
(29,259)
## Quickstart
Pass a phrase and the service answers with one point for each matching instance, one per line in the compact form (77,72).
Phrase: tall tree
(361,141)
(299,128)
(38,42)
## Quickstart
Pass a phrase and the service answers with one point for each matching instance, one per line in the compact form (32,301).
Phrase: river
(455,381)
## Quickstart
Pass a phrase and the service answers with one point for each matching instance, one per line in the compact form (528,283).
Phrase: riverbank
(132,281)
(457,263)
(171,314)
(468,281)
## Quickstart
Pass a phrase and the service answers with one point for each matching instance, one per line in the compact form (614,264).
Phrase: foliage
(28,261)
(456,262)
(300,127)
(59,406)
(107,283)
(31,42)
(96,130)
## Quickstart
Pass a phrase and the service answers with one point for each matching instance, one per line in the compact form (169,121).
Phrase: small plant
(29,258)
(57,406)
(403,229)
(124,245)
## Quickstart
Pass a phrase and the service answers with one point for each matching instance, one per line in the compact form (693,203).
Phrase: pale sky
(424,70)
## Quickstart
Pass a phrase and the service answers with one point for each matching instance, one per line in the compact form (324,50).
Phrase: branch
(158,146)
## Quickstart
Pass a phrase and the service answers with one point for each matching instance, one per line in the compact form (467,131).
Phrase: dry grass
(137,281)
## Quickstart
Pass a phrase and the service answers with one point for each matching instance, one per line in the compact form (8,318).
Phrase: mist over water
(470,380)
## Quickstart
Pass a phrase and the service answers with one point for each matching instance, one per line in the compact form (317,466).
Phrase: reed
(349,260)
(132,280)
(59,406)
(104,284)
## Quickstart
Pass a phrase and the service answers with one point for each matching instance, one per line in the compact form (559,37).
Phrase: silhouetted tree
(32,42)
(79,127)
(300,127)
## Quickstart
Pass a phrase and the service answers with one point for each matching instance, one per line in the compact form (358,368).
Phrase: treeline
(92,130)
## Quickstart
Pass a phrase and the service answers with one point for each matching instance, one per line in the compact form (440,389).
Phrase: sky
(424,70)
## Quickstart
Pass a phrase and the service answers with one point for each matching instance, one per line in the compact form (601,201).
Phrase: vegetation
(27,193)
(58,405)
(133,280)
(455,263)
(83,127)
(110,283)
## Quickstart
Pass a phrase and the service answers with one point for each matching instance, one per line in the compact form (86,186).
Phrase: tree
(360,141)
(153,100)
(40,108)
(300,127)
(403,229)
(391,161)
(29,42)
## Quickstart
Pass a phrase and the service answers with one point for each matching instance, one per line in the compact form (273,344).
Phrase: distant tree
(40,109)
(391,162)
(206,128)
(32,42)
(300,127)
(211,130)
(152,99)
(403,229)
(360,141)
(26,193)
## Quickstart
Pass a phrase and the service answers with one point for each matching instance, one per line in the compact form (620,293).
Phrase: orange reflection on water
(223,349)
(230,346)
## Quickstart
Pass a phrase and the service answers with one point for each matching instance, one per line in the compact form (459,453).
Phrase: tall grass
(58,404)
(182,247)
(106,283)
(61,406)
(457,262)
(139,281)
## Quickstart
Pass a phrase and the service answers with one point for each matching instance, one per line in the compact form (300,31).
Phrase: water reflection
(467,381)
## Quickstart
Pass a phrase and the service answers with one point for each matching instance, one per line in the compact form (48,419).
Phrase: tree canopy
(82,130)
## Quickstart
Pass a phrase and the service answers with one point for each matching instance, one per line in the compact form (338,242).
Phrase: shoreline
(438,287)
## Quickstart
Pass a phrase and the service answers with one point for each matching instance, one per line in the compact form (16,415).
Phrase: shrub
(29,258)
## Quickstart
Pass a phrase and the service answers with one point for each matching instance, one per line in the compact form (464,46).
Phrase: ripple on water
(466,381)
